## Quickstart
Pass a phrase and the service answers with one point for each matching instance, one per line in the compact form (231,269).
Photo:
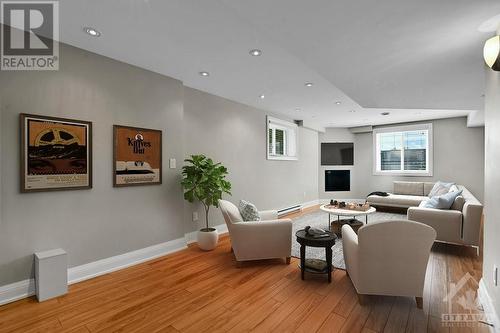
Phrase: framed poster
(137,158)
(56,154)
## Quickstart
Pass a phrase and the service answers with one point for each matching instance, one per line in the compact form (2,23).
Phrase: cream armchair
(265,239)
(388,258)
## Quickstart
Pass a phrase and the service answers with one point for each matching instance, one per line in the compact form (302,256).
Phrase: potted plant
(205,181)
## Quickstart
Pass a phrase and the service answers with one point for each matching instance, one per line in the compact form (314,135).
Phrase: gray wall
(235,135)
(492,180)
(106,221)
(458,157)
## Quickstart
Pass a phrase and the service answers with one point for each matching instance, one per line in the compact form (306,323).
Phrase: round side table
(327,242)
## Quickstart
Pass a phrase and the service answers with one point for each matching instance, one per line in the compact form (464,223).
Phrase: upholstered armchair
(265,239)
(388,258)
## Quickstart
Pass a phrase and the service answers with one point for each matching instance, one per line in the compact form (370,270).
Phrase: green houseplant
(205,181)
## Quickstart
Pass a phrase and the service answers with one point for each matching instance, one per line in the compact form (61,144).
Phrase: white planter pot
(207,240)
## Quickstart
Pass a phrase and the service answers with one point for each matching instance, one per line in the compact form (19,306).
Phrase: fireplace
(337,180)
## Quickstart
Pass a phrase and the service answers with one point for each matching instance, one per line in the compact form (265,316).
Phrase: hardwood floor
(195,291)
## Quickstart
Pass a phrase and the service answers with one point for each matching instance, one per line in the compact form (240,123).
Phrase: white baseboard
(16,291)
(104,266)
(326,201)
(489,308)
(310,204)
(26,288)
(191,237)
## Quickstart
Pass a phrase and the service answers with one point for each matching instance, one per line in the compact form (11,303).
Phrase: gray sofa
(460,224)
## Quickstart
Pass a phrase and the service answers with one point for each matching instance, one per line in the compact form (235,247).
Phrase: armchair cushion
(230,212)
(248,211)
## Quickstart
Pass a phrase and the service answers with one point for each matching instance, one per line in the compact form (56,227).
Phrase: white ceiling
(421,59)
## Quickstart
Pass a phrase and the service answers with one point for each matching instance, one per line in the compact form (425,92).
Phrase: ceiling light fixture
(338,102)
(308,84)
(262,96)
(205,74)
(385,113)
(491,53)
(255,52)
(352,111)
(92,32)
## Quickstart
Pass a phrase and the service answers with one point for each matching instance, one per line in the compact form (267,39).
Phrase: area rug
(319,219)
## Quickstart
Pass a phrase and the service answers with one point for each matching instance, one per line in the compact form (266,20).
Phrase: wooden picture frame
(56,153)
(137,156)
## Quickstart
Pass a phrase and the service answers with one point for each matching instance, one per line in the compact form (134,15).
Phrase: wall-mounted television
(337,153)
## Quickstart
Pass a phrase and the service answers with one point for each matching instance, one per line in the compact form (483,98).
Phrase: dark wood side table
(327,242)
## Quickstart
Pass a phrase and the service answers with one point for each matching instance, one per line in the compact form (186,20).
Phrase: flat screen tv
(337,153)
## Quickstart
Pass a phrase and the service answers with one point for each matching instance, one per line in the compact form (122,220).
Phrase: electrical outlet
(195,216)
(172,163)
(495,275)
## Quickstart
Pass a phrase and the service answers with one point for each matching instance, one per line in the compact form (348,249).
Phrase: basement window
(281,139)
(403,150)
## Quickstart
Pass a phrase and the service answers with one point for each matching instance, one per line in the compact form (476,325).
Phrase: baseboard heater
(289,210)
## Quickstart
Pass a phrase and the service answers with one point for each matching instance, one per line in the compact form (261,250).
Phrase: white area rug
(319,219)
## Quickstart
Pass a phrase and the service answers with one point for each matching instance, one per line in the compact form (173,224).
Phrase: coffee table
(336,224)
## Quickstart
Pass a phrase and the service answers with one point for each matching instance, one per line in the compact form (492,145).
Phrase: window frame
(401,172)
(285,126)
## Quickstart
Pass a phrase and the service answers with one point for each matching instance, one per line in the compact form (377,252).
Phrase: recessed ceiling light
(255,52)
(338,102)
(262,96)
(298,109)
(352,111)
(308,84)
(92,32)
(205,74)
(385,113)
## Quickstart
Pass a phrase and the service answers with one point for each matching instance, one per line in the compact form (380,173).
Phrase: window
(404,150)
(281,139)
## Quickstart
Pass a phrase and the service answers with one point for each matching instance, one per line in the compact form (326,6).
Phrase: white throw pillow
(440,188)
(248,211)
(444,201)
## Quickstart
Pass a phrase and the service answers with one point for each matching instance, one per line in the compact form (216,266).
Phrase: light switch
(173,163)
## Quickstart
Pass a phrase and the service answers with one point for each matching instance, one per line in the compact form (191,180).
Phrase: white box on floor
(51,274)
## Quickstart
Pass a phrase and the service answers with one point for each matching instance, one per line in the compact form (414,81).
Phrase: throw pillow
(248,211)
(444,201)
(440,188)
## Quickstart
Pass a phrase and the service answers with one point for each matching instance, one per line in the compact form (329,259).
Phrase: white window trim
(412,173)
(285,125)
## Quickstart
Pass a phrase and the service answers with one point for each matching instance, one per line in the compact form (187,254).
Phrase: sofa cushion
(440,188)
(428,188)
(458,204)
(409,188)
(396,200)
(248,211)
